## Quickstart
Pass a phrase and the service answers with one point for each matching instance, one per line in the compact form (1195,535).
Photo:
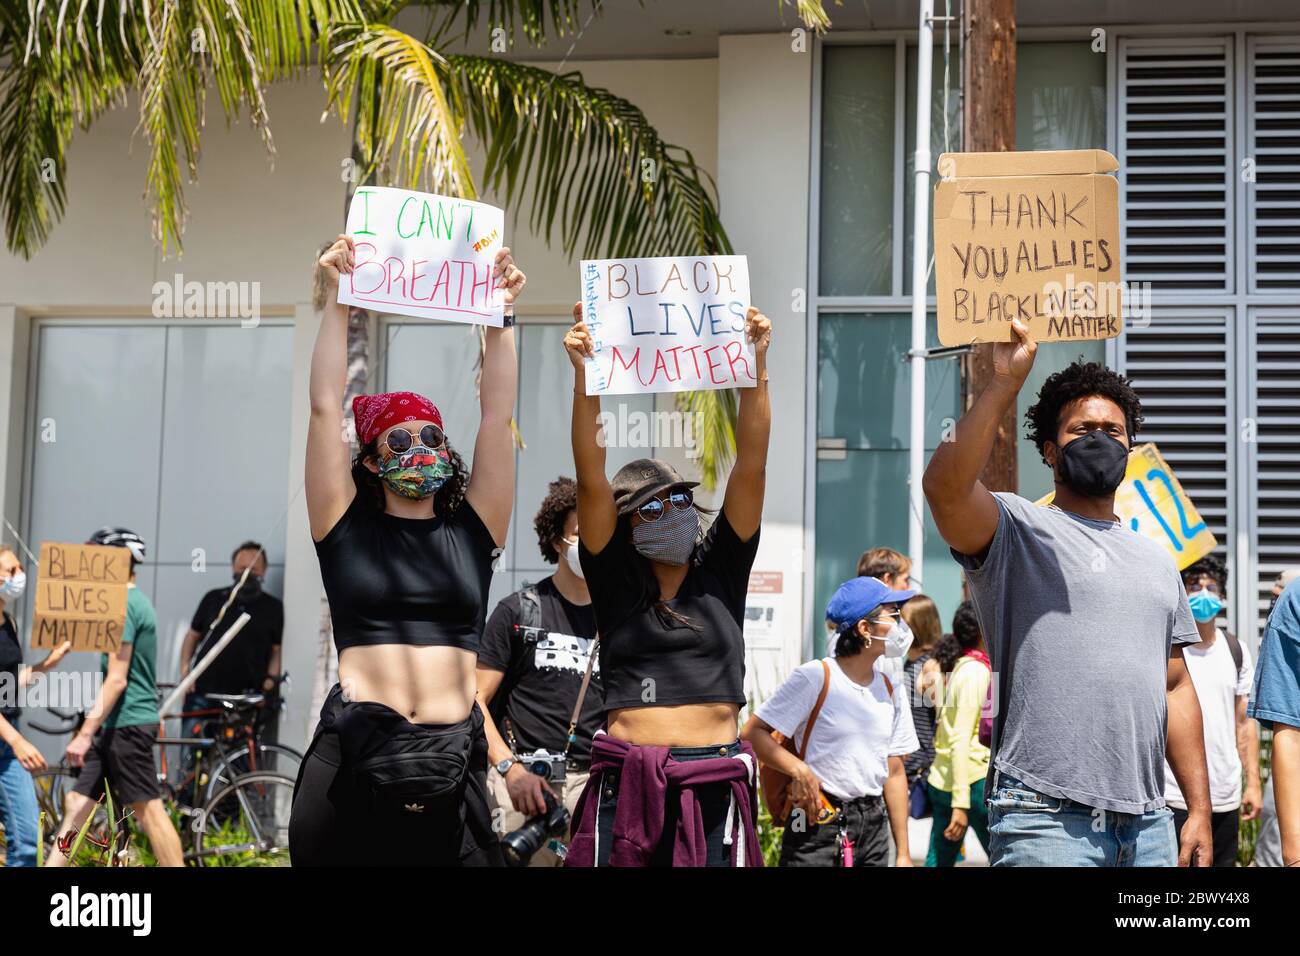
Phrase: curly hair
(561,499)
(1211,565)
(1075,381)
(965,635)
(445,500)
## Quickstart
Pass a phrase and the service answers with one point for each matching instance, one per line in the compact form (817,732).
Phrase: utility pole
(989,126)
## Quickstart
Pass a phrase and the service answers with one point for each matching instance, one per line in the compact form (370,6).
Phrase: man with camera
(538,679)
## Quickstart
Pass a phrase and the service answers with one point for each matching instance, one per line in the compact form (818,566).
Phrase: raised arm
(492,477)
(328,483)
(966,512)
(743,502)
(597,515)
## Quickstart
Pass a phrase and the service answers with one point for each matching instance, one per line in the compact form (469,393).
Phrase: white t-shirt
(858,730)
(1214,675)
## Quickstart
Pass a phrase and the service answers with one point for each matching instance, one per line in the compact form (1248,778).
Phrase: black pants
(1224,830)
(864,821)
(336,823)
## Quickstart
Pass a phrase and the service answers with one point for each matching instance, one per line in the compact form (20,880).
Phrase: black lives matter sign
(81,596)
(1032,236)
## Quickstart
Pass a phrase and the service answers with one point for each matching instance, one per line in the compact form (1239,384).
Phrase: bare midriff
(676,725)
(426,685)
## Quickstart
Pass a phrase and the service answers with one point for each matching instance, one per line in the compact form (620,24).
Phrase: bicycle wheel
(269,758)
(246,823)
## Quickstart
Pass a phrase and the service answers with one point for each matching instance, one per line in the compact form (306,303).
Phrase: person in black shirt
(530,675)
(670,606)
(406,535)
(250,663)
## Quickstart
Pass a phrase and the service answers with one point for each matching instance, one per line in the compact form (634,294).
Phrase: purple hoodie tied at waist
(648,778)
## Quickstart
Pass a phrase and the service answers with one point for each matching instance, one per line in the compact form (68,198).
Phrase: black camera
(520,845)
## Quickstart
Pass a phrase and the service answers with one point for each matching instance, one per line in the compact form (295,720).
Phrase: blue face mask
(1205,606)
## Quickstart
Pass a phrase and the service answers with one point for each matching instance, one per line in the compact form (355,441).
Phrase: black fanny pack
(406,768)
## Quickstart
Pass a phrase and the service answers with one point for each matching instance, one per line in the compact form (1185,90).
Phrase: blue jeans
(1029,828)
(18,810)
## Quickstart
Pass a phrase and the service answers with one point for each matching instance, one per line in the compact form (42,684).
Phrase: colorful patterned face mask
(416,473)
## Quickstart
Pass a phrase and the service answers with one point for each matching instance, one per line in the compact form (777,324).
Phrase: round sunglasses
(400,439)
(655,508)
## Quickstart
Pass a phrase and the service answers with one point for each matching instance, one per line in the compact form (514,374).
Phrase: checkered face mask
(671,539)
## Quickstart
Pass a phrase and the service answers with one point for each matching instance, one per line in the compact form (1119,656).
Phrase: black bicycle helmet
(120,538)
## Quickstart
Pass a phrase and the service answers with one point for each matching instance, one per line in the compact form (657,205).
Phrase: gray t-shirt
(1079,617)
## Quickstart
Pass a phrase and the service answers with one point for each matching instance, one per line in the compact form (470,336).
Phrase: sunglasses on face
(400,440)
(656,508)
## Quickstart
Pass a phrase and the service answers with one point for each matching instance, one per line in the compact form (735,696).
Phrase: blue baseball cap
(858,597)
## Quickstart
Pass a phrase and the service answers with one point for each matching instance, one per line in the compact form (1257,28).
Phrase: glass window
(864,382)
(856,243)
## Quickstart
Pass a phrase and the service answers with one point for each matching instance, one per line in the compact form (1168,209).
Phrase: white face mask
(571,558)
(898,640)
(12,588)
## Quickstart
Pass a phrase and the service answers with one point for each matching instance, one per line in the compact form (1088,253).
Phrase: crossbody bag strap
(817,708)
(582,695)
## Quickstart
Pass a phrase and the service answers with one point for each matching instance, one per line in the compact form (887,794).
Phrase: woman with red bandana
(406,536)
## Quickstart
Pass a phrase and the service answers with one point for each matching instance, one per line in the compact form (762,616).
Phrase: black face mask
(251,589)
(1093,465)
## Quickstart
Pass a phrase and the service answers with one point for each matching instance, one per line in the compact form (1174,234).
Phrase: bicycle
(226,815)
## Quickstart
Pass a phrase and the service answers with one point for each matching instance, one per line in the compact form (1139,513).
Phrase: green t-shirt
(139,702)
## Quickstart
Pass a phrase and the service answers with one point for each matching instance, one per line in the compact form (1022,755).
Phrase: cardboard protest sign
(670,324)
(1031,235)
(81,596)
(1152,502)
(424,255)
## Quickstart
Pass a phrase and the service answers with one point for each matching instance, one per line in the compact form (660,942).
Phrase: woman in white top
(853,759)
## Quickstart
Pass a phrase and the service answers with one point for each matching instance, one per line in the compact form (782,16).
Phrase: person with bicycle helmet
(396,772)
(19,758)
(115,746)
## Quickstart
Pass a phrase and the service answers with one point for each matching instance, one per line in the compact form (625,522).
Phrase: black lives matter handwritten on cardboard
(1032,235)
(81,596)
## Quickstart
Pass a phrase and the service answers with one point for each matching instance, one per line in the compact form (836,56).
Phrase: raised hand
(577,341)
(508,276)
(340,258)
(758,330)
(1013,360)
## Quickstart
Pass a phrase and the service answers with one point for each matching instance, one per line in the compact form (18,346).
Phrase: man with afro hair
(1085,622)
(531,665)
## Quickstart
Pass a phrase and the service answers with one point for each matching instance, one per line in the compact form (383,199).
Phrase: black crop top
(647,658)
(394,580)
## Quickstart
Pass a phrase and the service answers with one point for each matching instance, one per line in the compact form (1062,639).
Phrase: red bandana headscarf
(375,414)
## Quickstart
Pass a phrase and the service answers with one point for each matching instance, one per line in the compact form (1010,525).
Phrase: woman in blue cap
(848,786)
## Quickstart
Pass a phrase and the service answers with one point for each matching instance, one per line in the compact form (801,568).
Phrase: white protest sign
(670,324)
(424,255)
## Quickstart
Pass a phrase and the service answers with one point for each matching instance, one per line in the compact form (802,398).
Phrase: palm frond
(812,13)
(716,411)
(593,164)
(536,19)
(407,121)
(48,86)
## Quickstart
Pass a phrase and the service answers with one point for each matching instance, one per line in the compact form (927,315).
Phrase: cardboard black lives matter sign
(1033,236)
(81,596)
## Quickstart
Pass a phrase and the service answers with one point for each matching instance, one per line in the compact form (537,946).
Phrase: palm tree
(579,151)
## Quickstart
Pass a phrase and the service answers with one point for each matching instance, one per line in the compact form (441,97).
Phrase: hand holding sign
(424,255)
(671,324)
